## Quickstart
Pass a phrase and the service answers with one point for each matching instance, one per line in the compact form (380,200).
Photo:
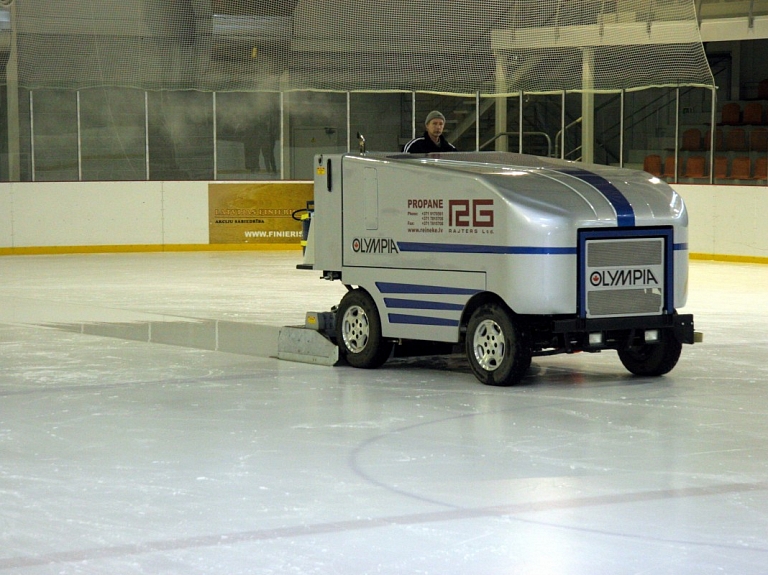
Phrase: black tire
(655,358)
(495,347)
(358,331)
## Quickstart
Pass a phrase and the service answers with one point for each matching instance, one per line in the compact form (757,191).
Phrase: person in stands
(433,139)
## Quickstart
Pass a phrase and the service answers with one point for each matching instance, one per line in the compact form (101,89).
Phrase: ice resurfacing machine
(511,256)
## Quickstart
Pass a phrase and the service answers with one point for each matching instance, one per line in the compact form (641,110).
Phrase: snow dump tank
(511,255)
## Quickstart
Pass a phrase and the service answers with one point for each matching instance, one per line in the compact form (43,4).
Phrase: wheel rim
(355,329)
(488,343)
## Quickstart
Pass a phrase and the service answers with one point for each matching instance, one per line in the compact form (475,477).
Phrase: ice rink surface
(119,456)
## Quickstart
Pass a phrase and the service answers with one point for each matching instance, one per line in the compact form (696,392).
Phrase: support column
(285,152)
(502,143)
(12,91)
(588,107)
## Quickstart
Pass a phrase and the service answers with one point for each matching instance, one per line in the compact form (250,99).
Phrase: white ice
(119,456)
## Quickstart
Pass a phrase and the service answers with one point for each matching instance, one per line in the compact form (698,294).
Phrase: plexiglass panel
(112,134)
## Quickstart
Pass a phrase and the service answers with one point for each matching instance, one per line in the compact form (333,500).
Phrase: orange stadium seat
(669,167)
(652,164)
(695,167)
(721,167)
(691,140)
(753,114)
(741,168)
(762,90)
(730,115)
(719,140)
(761,168)
(736,140)
(758,140)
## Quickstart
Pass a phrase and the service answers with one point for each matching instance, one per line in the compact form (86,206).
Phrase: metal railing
(560,137)
(501,134)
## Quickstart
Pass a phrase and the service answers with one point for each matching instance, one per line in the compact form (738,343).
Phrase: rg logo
(466,213)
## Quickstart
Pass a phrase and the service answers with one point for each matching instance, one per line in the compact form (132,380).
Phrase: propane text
(431,204)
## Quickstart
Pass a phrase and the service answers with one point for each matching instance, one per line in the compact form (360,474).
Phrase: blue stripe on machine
(389,287)
(394,302)
(625,215)
(681,247)
(480,249)
(422,320)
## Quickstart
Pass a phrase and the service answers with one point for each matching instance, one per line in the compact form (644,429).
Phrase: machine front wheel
(358,331)
(495,348)
(653,359)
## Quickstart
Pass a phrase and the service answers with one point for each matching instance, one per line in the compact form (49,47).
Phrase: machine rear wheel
(495,348)
(358,331)
(653,359)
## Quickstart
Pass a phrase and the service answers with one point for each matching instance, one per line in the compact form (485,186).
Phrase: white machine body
(580,244)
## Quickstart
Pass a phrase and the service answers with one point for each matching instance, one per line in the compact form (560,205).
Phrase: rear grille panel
(616,253)
(624,302)
(624,273)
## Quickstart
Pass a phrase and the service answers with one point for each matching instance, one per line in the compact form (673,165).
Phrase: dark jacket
(424,145)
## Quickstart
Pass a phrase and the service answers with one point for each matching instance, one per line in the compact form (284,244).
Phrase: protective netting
(447,46)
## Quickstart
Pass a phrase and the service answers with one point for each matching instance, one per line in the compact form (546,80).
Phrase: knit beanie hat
(432,115)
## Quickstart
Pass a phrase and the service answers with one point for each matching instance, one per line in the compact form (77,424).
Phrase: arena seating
(691,140)
(669,167)
(741,168)
(762,90)
(730,114)
(736,140)
(758,140)
(721,167)
(761,168)
(695,167)
(719,140)
(753,114)
(652,164)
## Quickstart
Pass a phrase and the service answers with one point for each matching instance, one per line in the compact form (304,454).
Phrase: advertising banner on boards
(256,213)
